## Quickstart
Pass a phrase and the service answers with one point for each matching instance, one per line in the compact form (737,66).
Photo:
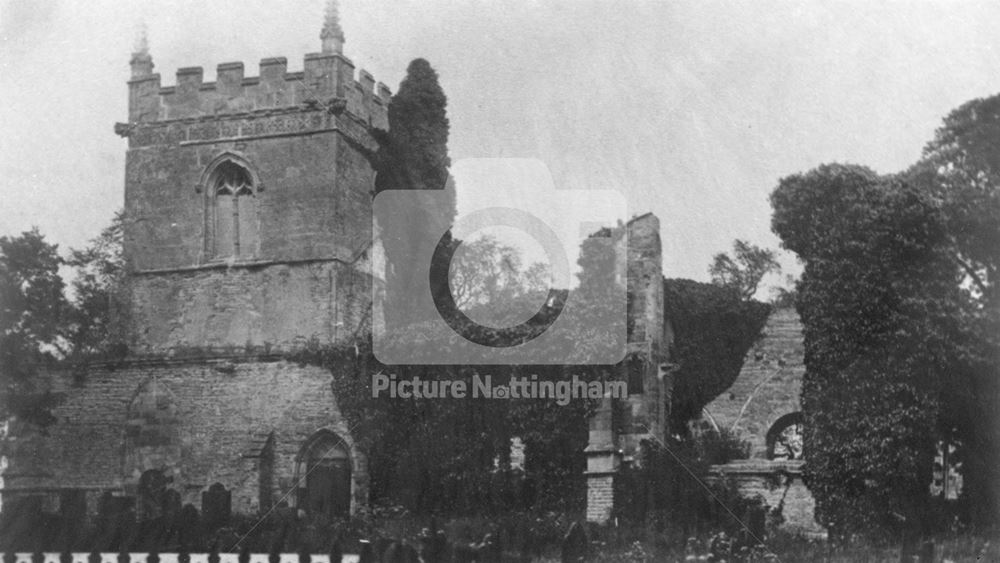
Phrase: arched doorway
(324,475)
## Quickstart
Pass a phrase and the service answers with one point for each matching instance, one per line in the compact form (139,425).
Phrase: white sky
(692,109)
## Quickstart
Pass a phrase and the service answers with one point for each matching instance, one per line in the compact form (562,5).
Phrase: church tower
(248,201)
(248,235)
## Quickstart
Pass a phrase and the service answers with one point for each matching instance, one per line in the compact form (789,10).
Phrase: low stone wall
(778,483)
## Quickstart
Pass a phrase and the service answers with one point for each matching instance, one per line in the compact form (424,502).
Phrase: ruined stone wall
(768,387)
(646,413)
(618,427)
(199,422)
(778,483)
(769,384)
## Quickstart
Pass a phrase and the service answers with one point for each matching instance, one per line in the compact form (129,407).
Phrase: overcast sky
(692,109)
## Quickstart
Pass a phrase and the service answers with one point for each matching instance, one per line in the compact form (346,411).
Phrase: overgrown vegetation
(40,324)
(713,330)
(898,303)
(414,156)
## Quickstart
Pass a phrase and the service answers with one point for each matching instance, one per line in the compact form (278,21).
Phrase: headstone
(336,552)
(366,552)
(216,506)
(189,528)
(400,552)
(171,504)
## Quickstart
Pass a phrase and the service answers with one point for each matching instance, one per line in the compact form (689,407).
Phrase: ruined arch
(784,438)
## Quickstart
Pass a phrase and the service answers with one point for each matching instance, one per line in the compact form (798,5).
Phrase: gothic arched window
(234,211)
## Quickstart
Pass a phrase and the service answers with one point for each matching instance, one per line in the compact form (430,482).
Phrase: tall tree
(414,156)
(33,312)
(743,271)
(97,316)
(882,306)
(960,173)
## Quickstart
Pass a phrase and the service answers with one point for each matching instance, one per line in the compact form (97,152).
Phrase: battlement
(326,81)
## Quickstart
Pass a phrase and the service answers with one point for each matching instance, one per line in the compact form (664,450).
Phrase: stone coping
(758,467)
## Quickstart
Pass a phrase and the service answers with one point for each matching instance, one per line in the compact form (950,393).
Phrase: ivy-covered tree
(960,174)
(713,330)
(33,312)
(882,306)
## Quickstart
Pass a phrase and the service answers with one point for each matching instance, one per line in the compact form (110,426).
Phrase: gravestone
(216,506)
(366,553)
(336,552)
(189,530)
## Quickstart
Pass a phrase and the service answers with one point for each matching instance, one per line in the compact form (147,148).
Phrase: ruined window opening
(784,439)
(234,211)
(635,372)
(947,479)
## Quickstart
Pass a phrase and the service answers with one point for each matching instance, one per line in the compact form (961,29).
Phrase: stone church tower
(248,202)
(248,234)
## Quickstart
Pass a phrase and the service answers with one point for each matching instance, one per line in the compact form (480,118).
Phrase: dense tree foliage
(713,330)
(744,270)
(33,316)
(97,317)
(414,156)
(960,174)
(885,314)
(40,324)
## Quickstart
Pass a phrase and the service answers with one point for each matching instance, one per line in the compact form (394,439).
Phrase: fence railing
(104,557)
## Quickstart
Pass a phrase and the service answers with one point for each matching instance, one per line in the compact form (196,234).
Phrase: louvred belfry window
(235,212)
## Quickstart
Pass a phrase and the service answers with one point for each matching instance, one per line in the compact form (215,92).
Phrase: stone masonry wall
(647,412)
(216,416)
(769,385)
(279,307)
(618,427)
(310,271)
(313,199)
(324,78)
(778,483)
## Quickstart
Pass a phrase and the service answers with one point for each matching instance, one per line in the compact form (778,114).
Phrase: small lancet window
(235,211)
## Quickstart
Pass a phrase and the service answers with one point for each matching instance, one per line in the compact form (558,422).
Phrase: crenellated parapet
(328,80)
